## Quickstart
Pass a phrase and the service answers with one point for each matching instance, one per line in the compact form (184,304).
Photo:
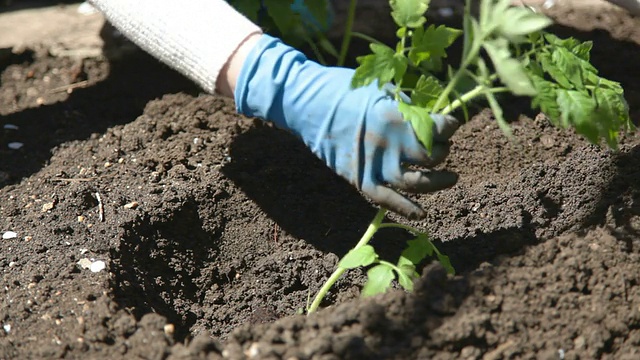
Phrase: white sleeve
(195,37)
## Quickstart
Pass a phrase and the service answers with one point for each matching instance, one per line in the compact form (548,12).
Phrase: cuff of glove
(261,84)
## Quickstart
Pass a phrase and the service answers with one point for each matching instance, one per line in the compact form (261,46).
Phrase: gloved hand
(358,133)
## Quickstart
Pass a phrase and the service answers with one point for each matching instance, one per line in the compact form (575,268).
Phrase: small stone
(169,329)
(9,235)
(131,205)
(81,218)
(84,263)
(28,238)
(7,328)
(547,141)
(48,206)
(97,266)
(15,145)
(107,164)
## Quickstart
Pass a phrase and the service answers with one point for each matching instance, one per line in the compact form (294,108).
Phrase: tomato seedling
(504,50)
(524,61)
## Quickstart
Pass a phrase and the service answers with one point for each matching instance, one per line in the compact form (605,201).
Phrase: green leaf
(282,15)
(446,263)
(570,65)
(383,65)
(612,113)
(409,13)
(431,43)
(362,256)
(379,280)
(407,275)
(248,8)
(580,49)
(545,98)
(421,122)
(517,22)
(510,70)
(554,71)
(426,92)
(417,249)
(576,108)
(491,13)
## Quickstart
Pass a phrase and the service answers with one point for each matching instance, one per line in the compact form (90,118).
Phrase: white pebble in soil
(97,266)
(9,235)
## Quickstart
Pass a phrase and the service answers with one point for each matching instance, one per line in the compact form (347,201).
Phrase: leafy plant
(504,50)
(297,22)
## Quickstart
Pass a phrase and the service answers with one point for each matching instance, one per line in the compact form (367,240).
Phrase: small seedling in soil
(505,50)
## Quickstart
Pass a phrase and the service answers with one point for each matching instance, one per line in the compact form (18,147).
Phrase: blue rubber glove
(358,133)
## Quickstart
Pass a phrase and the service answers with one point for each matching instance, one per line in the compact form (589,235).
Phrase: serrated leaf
(612,114)
(510,70)
(282,15)
(446,263)
(545,98)
(517,22)
(383,65)
(406,275)
(409,13)
(417,249)
(580,49)
(362,256)
(570,65)
(421,122)
(554,71)
(426,92)
(491,11)
(576,108)
(379,280)
(431,43)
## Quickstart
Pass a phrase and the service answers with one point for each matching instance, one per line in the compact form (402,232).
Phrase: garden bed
(215,229)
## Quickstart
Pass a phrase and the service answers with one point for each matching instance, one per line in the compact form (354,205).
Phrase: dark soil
(216,229)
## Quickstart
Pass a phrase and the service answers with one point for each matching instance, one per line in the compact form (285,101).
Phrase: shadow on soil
(118,99)
(157,266)
(619,202)
(310,202)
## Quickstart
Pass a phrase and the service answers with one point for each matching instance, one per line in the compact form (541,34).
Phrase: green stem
(408,228)
(473,93)
(346,40)
(366,237)
(471,56)
(366,37)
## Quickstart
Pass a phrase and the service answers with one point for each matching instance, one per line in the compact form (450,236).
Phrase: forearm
(205,40)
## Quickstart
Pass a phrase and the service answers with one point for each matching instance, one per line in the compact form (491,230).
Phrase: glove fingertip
(392,200)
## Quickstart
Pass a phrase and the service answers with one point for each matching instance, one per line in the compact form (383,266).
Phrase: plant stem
(471,56)
(468,96)
(366,37)
(408,228)
(346,40)
(366,237)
